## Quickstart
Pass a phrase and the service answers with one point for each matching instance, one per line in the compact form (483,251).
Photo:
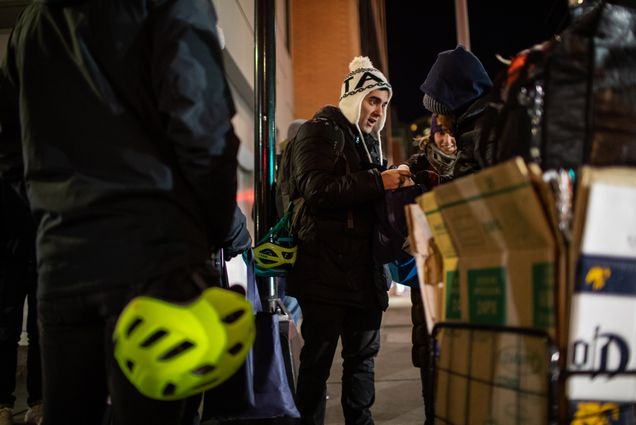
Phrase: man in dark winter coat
(130,165)
(456,89)
(341,291)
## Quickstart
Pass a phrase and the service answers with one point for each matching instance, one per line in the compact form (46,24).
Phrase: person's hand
(409,181)
(395,178)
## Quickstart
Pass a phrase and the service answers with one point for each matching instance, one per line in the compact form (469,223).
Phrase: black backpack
(571,100)
(286,189)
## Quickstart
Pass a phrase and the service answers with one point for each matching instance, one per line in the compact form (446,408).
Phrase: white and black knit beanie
(362,79)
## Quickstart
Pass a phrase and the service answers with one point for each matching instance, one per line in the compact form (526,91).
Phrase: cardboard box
(428,264)
(487,377)
(505,247)
(444,244)
(614,176)
(419,230)
(603,311)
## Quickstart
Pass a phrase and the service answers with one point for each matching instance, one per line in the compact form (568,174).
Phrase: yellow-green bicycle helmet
(275,253)
(274,259)
(170,351)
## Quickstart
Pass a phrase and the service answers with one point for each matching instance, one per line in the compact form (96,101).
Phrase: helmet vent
(177,350)
(154,338)
(130,365)
(138,321)
(233,317)
(204,369)
(169,389)
(269,252)
(206,383)
(235,349)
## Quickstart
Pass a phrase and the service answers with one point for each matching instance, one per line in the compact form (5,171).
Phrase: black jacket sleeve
(238,239)
(467,163)
(11,164)
(193,98)
(319,175)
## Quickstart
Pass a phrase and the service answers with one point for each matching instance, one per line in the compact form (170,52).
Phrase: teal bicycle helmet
(276,253)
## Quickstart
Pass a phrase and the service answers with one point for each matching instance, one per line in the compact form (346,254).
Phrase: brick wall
(326,37)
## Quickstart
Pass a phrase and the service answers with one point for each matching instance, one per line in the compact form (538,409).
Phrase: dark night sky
(419,29)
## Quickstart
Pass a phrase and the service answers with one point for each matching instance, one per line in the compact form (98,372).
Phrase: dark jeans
(359,331)
(18,280)
(79,369)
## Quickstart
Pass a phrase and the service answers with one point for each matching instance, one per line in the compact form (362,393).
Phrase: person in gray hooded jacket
(122,111)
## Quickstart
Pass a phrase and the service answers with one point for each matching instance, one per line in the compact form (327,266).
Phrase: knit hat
(435,127)
(456,79)
(362,80)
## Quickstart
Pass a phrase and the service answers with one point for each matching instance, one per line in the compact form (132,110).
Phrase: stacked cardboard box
(436,260)
(603,309)
(445,249)
(428,266)
(502,262)
(506,252)
(498,261)
(486,377)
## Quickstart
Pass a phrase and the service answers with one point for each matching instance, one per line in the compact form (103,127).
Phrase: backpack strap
(339,143)
(336,134)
